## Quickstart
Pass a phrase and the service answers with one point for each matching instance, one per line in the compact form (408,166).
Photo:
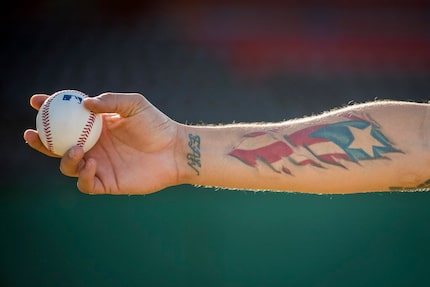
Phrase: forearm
(360,148)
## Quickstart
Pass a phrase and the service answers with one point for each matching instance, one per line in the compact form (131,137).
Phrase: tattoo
(424,185)
(194,156)
(354,140)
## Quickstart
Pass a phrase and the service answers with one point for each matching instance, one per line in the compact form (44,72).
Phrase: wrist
(188,154)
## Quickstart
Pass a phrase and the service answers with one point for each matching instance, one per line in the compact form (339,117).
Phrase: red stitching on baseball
(46,124)
(87,129)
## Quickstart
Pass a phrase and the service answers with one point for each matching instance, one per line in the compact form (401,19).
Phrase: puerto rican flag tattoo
(353,140)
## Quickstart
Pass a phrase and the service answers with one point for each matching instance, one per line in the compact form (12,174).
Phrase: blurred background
(209,62)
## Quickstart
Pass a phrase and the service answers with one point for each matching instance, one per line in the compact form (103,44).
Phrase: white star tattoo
(364,140)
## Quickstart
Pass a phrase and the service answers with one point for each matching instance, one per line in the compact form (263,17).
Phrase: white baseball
(62,122)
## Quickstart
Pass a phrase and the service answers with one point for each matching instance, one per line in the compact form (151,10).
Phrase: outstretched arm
(377,146)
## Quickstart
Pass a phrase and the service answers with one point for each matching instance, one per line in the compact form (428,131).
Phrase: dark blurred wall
(213,62)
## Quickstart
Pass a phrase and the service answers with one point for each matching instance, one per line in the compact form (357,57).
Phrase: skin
(136,138)
(141,150)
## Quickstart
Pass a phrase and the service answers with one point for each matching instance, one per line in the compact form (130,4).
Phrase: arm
(361,148)
(377,146)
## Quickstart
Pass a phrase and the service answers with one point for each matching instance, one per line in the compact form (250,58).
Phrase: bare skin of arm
(370,147)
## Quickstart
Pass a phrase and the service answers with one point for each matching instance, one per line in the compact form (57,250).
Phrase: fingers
(73,164)
(31,137)
(87,177)
(125,104)
(72,161)
(37,100)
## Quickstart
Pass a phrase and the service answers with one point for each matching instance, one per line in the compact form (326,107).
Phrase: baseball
(62,122)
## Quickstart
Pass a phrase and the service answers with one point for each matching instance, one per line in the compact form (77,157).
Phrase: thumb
(125,104)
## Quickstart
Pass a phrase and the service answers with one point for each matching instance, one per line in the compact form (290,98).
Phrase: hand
(134,155)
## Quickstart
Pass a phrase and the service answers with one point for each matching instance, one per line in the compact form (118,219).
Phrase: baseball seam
(47,126)
(87,130)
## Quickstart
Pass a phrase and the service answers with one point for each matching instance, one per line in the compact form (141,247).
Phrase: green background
(52,235)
